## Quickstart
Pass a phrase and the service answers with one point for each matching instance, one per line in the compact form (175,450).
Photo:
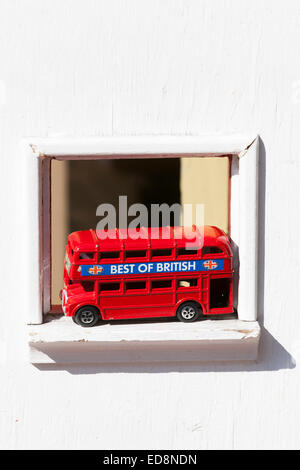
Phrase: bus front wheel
(188,312)
(87,316)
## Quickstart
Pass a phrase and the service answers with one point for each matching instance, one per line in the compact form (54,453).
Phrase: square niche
(48,162)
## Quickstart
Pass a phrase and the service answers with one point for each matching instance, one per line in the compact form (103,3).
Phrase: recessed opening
(135,254)
(187,282)
(107,255)
(135,285)
(161,284)
(88,286)
(219,293)
(146,181)
(187,252)
(79,186)
(211,250)
(159,253)
(86,255)
(109,286)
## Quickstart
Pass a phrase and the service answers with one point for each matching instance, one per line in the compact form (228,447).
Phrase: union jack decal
(95,270)
(210,264)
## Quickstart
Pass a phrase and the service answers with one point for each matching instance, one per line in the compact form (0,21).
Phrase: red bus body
(148,277)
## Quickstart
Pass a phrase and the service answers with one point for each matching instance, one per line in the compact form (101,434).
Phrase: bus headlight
(67,264)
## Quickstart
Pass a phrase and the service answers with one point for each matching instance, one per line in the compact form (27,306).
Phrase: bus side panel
(142,312)
(108,303)
(187,296)
(204,286)
(137,306)
(198,294)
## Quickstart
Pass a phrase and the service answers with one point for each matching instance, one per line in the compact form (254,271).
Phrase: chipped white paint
(121,68)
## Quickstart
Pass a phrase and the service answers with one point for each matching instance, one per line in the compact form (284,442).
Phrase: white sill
(61,341)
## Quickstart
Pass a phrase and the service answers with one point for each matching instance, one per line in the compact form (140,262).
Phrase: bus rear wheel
(189,312)
(87,316)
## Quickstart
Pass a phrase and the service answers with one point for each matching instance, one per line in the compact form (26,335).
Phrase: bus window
(187,282)
(110,255)
(219,293)
(161,284)
(87,255)
(136,254)
(186,252)
(210,250)
(88,286)
(109,286)
(159,253)
(134,285)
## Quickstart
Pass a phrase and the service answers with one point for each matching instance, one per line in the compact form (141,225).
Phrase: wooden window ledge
(61,341)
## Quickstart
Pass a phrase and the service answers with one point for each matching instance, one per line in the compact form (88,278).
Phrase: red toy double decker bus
(166,272)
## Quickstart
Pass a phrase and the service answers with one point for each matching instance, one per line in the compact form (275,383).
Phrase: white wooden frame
(244,150)
(63,342)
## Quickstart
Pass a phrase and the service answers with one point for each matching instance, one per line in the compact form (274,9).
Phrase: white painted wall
(92,67)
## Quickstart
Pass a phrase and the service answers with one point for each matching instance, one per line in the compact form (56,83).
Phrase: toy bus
(158,275)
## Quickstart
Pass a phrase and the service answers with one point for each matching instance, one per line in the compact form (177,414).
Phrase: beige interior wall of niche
(206,181)
(59,225)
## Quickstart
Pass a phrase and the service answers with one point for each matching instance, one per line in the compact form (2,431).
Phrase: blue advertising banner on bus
(152,268)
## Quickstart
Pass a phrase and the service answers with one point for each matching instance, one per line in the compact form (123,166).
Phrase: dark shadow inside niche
(144,181)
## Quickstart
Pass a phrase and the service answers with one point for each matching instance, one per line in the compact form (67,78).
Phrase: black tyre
(87,316)
(189,312)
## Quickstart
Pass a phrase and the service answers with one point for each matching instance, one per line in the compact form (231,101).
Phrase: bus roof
(155,238)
